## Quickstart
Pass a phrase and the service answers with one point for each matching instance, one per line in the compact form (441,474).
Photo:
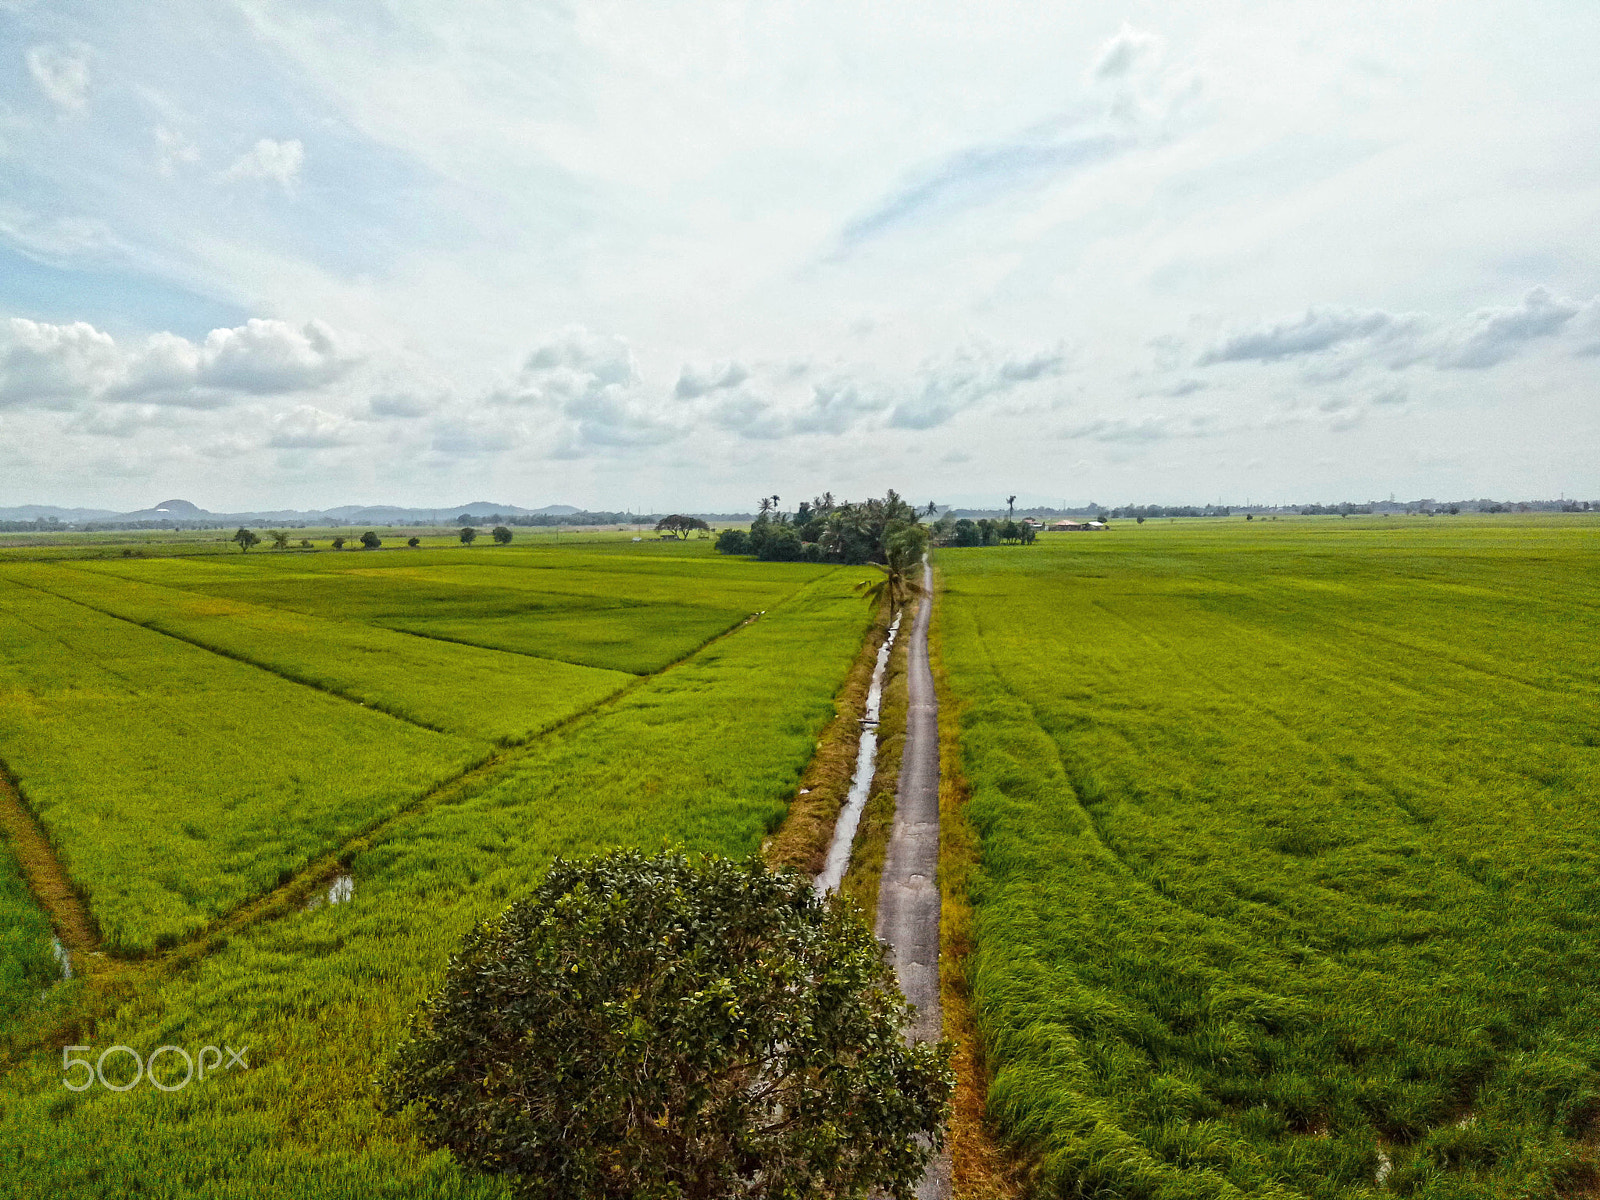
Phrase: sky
(662,256)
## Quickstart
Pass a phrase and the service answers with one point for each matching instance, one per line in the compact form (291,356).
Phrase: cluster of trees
(827,530)
(501,535)
(1336,510)
(547,519)
(1141,512)
(985,531)
(249,538)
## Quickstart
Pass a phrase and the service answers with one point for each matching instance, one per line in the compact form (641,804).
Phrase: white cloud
(54,366)
(306,427)
(1122,54)
(1492,335)
(965,381)
(173,150)
(1316,330)
(263,356)
(63,366)
(62,73)
(277,162)
(1339,341)
(694,382)
(1155,428)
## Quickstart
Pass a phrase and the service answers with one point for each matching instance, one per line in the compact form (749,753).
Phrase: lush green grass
(639,638)
(176,782)
(27,965)
(1290,840)
(705,754)
(459,689)
(626,609)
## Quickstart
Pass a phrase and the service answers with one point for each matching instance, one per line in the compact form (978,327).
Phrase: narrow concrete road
(908,893)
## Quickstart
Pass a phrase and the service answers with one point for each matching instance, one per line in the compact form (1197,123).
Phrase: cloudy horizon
(673,257)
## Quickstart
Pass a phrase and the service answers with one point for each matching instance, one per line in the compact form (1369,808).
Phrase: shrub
(468,535)
(501,535)
(733,541)
(338,543)
(675,1026)
(370,540)
(782,544)
(413,542)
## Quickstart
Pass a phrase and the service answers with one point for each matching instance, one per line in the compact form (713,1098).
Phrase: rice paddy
(1284,877)
(1288,847)
(706,755)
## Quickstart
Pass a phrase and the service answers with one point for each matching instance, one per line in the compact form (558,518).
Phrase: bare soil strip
(46,877)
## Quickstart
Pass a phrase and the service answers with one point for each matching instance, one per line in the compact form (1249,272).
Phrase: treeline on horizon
(1092,510)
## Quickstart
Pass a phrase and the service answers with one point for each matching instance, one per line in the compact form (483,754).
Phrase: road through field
(908,896)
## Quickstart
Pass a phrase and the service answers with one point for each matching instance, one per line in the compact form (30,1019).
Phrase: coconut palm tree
(902,552)
(1011,502)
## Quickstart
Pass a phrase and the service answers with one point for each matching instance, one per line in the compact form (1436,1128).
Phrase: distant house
(1075,526)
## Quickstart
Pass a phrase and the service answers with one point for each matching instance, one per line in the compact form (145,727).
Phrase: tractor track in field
(41,867)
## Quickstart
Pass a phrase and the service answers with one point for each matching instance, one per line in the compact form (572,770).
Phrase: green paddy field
(194,733)
(1290,853)
(1287,833)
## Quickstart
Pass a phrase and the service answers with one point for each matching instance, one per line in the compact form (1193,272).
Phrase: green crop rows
(177,782)
(475,693)
(26,963)
(1290,877)
(705,754)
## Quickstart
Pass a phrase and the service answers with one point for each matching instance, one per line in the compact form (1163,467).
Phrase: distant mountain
(43,512)
(185,511)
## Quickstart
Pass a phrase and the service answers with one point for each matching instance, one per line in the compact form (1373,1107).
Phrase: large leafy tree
(670,1025)
(681,526)
(246,538)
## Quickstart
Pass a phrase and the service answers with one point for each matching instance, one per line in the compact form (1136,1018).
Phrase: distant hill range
(184,512)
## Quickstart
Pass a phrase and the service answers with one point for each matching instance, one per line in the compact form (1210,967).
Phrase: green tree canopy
(501,535)
(246,538)
(681,526)
(669,1025)
(468,535)
(370,540)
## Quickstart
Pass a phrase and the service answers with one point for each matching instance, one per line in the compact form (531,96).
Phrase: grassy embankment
(1288,853)
(705,753)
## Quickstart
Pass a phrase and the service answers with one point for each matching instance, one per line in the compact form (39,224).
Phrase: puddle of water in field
(339,891)
(63,956)
(844,830)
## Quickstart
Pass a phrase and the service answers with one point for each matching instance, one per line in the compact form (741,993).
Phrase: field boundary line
(233,656)
(42,868)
